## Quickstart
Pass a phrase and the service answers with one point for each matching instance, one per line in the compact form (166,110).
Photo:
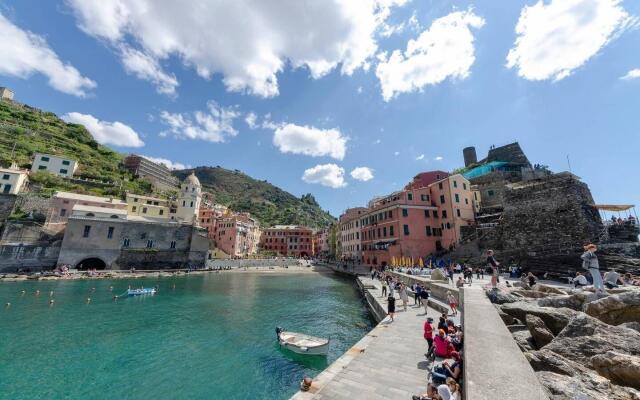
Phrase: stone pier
(387,363)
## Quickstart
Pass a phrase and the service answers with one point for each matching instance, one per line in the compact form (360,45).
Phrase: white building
(189,200)
(54,165)
(12,180)
(6,93)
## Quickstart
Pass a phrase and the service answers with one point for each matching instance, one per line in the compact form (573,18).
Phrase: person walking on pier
(403,295)
(495,268)
(453,303)
(391,306)
(590,263)
(424,299)
(416,295)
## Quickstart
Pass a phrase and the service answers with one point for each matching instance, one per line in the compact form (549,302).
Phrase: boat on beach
(301,343)
(140,292)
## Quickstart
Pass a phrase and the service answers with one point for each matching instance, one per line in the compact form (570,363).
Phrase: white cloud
(362,174)
(170,164)
(377,141)
(115,133)
(396,153)
(420,157)
(329,175)
(359,90)
(205,35)
(633,74)
(445,50)
(310,141)
(25,53)
(214,125)
(560,36)
(439,158)
(148,68)
(252,120)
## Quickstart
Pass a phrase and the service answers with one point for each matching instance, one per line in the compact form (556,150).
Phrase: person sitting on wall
(441,345)
(580,280)
(454,370)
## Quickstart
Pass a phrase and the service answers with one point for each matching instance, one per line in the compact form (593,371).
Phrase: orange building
(288,240)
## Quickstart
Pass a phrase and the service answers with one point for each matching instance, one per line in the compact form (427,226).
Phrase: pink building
(62,203)
(288,240)
(417,221)
(237,235)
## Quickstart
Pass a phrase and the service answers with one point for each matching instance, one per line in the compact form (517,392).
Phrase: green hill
(25,130)
(270,204)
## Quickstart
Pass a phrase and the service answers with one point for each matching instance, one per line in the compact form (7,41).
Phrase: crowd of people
(445,341)
(630,220)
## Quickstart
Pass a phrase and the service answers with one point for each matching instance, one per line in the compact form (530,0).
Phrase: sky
(343,99)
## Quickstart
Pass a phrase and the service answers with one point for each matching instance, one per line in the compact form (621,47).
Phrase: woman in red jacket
(428,331)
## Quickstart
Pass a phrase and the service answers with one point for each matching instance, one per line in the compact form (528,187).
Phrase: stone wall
(34,257)
(7,203)
(545,224)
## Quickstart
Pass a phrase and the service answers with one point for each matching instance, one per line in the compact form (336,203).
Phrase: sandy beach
(297,269)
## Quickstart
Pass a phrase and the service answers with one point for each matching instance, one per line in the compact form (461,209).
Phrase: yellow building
(149,207)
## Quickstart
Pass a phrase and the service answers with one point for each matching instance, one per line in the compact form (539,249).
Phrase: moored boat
(302,344)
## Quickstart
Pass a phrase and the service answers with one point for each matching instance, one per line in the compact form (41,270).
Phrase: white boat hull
(304,344)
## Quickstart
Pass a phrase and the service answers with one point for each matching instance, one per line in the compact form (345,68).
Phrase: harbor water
(209,336)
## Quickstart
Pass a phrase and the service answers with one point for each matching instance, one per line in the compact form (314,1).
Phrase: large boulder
(616,309)
(566,379)
(585,337)
(507,319)
(631,325)
(529,293)
(501,297)
(622,369)
(539,287)
(584,387)
(438,275)
(524,340)
(573,301)
(539,331)
(554,318)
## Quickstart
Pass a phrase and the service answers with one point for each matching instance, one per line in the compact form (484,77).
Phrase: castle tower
(189,200)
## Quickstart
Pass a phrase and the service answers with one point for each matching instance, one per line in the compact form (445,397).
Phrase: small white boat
(140,292)
(302,344)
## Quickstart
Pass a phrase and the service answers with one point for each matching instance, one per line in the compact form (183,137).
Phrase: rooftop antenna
(569,163)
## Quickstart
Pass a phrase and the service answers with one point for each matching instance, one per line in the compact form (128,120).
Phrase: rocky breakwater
(582,345)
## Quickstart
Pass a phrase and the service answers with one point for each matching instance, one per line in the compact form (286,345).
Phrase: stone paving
(388,363)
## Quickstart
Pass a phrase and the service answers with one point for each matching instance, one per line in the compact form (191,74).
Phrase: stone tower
(189,200)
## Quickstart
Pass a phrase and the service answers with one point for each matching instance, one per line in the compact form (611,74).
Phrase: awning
(613,207)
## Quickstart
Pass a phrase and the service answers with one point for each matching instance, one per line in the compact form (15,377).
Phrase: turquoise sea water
(212,337)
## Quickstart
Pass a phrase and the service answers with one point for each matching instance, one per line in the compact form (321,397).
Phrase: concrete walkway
(388,363)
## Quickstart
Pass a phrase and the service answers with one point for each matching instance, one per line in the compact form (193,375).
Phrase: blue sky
(351,99)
